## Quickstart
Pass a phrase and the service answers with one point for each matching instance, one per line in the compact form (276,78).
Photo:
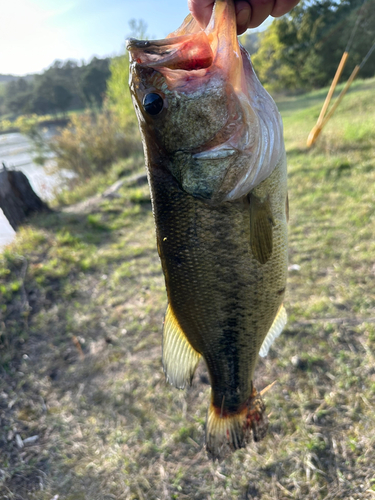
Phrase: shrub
(91,143)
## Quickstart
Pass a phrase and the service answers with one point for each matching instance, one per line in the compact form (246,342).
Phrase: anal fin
(180,359)
(276,328)
(261,224)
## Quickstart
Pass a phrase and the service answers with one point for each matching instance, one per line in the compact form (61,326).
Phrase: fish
(216,166)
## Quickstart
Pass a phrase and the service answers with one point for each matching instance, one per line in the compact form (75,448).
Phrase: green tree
(43,96)
(62,97)
(304,48)
(268,61)
(94,85)
(118,93)
(17,96)
(310,37)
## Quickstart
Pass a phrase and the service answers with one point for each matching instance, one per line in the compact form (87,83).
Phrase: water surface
(16,152)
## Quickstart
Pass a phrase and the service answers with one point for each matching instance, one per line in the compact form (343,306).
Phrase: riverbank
(16,152)
(18,125)
(85,410)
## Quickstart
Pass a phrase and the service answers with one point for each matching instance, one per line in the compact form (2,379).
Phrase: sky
(34,33)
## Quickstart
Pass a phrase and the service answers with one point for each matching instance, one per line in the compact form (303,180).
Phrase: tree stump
(17,198)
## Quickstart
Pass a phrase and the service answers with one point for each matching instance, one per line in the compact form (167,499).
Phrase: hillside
(81,311)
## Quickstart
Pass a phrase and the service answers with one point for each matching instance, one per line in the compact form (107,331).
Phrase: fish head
(203,114)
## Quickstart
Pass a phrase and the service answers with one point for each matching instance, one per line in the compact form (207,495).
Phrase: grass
(81,311)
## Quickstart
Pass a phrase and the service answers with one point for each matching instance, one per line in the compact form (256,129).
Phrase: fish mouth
(191,48)
(187,52)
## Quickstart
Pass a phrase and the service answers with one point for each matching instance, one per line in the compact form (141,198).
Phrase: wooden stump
(17,198)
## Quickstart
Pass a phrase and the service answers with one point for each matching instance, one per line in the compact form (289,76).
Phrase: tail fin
(226,433)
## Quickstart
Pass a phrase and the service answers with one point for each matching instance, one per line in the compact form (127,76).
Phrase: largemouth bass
(216,166)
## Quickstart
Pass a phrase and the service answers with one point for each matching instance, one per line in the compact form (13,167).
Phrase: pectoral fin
(276,328)
(180,359)
(261,224)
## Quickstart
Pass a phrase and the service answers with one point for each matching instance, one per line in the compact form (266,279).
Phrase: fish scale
(206,251)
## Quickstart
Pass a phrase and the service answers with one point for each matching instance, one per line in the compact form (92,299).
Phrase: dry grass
(80,320)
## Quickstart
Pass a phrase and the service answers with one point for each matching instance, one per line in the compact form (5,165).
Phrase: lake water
(16,152)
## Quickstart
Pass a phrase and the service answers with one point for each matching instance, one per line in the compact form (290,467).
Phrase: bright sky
(34,33)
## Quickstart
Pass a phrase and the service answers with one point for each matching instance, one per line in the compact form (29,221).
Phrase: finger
(260,10)
(282,7)
(201,10)
(243,15)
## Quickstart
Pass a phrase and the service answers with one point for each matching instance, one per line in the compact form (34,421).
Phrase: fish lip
(134,43)
(185,52)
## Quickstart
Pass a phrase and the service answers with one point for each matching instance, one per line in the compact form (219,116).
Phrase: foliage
(63,86)
(66,85)
(94,84)
(49,95)
(91,143)
(303,48)
(17,96)
(119,98)
(268,61)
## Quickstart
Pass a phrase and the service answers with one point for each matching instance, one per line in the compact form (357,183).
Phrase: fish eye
(153,104)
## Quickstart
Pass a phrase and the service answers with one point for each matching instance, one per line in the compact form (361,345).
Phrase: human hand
(250,13)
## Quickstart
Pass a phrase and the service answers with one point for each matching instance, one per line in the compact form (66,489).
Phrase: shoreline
(44,123)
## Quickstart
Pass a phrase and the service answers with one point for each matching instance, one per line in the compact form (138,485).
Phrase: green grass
(81,311)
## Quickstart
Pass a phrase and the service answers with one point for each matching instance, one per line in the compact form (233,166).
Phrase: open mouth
(190,48)
(189,52)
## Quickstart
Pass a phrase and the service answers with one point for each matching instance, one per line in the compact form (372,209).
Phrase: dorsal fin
(276,328)
(180,359)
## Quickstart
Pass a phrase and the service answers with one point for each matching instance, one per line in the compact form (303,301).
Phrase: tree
(17,96)
(118,92)
(304,48)
(268,61)
(62,97)
(94,85)
(43,96)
